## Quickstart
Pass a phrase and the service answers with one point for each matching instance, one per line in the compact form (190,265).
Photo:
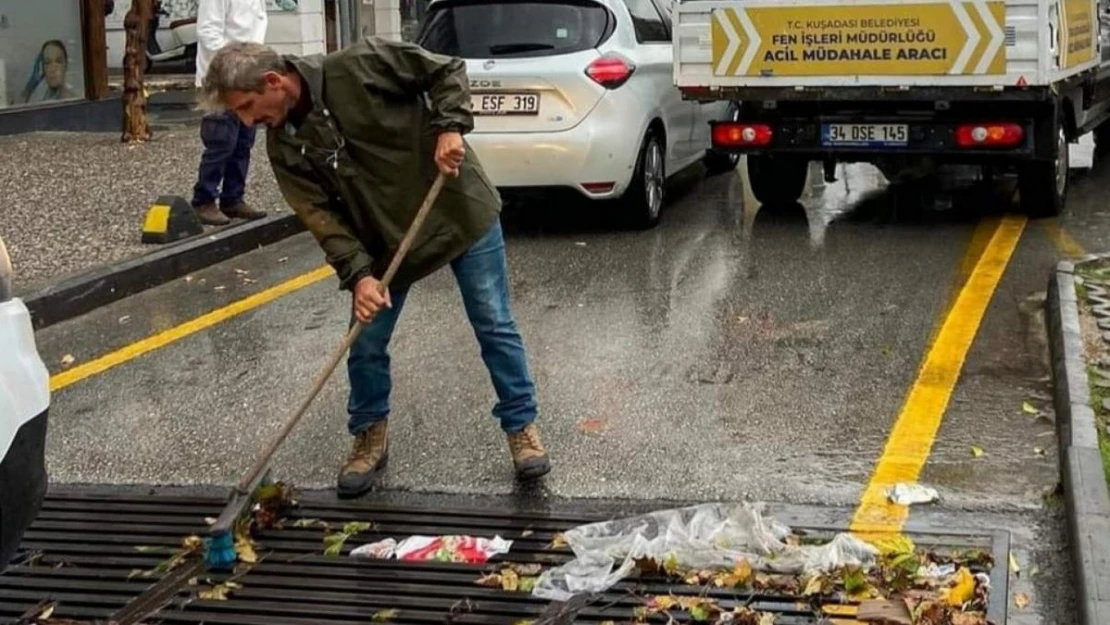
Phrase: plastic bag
(706,536)
(467,549)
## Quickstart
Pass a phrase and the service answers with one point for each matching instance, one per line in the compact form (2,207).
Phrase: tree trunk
(136,24)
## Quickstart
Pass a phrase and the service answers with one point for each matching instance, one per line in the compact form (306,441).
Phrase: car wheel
(644,198)
(1043,185)
(777,181)
(718,162)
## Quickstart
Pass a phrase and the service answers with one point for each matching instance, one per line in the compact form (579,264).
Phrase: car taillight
(1001,135)
(739,134)
(610,71)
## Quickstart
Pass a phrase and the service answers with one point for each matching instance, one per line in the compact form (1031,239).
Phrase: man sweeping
(355,140)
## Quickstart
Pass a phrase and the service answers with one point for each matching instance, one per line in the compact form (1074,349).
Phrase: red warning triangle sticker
(1022,82)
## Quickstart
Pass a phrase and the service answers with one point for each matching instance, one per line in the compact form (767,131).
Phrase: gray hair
(238,66)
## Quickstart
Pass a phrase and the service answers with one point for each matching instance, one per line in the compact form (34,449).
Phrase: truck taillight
(739,135)
(610,71)
(1002,135)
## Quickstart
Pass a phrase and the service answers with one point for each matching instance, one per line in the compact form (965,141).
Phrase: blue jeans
(226,159)
(482,276)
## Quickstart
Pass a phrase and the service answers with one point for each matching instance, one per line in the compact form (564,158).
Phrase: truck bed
(989,45)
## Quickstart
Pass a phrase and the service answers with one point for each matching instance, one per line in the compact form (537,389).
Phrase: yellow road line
(911,439)
(178,332)
(1065,244)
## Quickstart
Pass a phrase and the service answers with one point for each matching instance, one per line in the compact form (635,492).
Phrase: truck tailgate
(883,43)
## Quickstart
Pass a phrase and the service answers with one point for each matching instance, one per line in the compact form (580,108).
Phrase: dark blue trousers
(226,159)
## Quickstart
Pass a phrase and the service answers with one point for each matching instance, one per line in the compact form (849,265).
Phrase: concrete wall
(290,32)
(382,18)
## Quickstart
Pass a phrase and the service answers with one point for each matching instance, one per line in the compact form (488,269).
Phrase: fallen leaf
(591,426)
(814,586)
(558,542)
(1035,571)
(125,319)
(1039,451)
(1021,600)
(969,618)
(47,612)
(489,580)
(210,520)
(533,568)
(245,550)
(963,591)
(740,575)
(1028,408)
(527,584)
(218,592)
(977,451)
(526,533)
(1014,564)
(384,615)
(68,360)
(510,581)
(309,523)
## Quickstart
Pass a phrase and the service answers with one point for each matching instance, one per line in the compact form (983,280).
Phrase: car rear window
(491,29)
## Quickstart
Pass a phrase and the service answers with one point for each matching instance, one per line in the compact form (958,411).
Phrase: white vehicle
(1004,84)
(577,94)
(24,401)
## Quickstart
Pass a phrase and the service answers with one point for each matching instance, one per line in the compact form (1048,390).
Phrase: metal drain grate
(84,547)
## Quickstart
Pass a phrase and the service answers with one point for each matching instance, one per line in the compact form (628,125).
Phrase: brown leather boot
(242,210)
(529,456)
(369,455)
(210,215)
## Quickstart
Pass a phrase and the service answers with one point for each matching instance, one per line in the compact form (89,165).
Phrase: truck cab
(24,404)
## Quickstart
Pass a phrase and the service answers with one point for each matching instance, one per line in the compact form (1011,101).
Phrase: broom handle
(352,334)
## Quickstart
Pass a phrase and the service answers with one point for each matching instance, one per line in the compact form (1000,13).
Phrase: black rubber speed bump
(170,218)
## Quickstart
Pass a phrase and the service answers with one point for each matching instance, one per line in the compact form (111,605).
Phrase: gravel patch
(73,201)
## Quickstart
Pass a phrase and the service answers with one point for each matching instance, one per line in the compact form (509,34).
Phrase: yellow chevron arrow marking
(741,37)
(872,40)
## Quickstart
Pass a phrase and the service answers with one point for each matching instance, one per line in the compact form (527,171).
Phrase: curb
(1085,489)
(103,285)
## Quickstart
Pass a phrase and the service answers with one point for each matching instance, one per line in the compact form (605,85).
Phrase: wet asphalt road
(723,354)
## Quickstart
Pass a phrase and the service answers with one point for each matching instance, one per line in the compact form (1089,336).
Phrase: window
(515,29)
(649,24)
(40,52)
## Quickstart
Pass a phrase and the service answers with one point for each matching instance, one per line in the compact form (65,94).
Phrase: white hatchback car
(577,94)
(24,400)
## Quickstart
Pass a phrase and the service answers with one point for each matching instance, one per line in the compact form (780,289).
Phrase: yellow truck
(902,84)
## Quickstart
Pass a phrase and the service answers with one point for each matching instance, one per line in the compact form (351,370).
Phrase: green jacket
(360,164)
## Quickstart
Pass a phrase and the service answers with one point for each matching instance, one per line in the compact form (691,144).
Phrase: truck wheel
(777,181)
(643,200)
(1044,184)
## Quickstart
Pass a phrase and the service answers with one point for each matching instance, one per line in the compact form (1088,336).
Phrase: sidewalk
(73,201)
(1079,330)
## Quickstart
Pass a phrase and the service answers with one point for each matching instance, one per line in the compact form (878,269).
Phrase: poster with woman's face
(48,78)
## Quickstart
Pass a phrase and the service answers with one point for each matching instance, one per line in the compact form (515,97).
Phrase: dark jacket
(358,166)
